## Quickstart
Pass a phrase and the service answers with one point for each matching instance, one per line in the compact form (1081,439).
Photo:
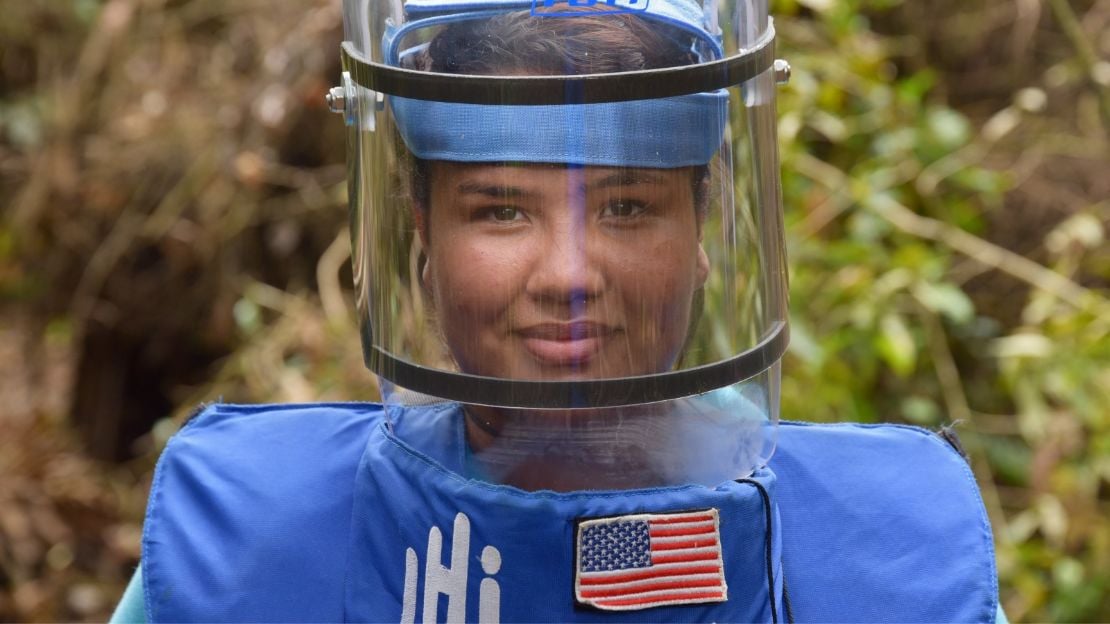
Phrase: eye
(624,208)
(504,214)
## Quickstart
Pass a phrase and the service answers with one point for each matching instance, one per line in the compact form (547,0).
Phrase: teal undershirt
(131,609)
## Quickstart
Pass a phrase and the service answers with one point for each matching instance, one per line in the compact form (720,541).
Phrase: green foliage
(885,189)
(945,192)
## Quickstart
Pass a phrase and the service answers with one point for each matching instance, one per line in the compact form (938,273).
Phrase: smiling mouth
(565,344)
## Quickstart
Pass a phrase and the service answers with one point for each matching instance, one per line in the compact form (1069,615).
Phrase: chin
(585,371)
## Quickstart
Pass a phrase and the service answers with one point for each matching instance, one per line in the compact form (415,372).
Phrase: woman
(537,270)
(572,291)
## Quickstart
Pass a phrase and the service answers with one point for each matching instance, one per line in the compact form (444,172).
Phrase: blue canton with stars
(615,546)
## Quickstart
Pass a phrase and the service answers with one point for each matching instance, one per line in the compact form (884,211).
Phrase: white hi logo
(451,581)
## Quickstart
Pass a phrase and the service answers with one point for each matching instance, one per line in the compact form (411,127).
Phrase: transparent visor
(586,281)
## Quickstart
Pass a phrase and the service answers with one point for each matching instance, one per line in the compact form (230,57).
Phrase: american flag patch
(649,560)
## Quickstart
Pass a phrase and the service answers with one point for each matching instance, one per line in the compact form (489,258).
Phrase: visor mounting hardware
(337,99)
(782,71)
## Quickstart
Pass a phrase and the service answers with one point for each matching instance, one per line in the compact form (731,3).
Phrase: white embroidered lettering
(451,581)
(408,606)
(489,591)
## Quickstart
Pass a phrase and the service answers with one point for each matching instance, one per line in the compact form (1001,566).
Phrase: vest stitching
(152,506)
(984,526)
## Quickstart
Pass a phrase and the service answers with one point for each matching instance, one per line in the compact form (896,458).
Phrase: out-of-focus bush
(950,267)
(156,158)
(173,193)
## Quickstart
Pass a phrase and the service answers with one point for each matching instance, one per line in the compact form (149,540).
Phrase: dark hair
(520,43)
(585,44)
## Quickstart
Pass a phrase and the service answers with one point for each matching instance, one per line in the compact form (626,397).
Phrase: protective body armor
(323,513)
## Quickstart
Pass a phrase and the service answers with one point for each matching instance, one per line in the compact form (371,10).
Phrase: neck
(563,450)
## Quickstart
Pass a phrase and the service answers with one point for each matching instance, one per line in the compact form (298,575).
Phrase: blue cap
(662,133)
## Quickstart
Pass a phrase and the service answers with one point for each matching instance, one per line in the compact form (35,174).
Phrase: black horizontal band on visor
(480,390)
(548,90)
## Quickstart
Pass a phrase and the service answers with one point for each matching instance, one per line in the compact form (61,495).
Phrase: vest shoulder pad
(882,523)
(291,467)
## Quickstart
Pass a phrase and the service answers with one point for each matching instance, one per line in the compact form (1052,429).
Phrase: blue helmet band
(666,133)
(658,133)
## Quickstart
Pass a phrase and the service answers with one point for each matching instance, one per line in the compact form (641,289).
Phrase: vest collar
(430,544)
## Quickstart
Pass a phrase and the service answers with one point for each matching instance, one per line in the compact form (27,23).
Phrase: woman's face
(555,273)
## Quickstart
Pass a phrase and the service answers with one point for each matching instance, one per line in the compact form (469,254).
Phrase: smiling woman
(574,298)
(572,273)
(594,288)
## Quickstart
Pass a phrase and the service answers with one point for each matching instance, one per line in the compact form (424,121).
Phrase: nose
(567,271)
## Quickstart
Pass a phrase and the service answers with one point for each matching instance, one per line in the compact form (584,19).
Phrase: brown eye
(504,213)
(624,208)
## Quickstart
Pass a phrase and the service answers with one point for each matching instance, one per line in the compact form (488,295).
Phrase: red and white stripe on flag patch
(638,561)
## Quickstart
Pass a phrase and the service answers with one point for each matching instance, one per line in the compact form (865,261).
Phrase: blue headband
(664,133)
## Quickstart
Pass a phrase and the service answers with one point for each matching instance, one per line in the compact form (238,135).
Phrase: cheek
(661,281)
(658,293)
(472,278)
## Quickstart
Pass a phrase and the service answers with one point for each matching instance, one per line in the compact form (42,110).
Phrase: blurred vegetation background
(172,212)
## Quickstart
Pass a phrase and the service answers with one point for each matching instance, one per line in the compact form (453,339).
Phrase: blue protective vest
(322,513)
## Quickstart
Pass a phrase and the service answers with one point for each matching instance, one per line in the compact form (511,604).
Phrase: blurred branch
(251,364)
(997,127)
(983,251)
(331,262)
(129,226)
(1088,58)
(168,211)
(839,198)
(1027,17)
(833,204)
(72,100)
(972,246)
(943,168)
(955,399)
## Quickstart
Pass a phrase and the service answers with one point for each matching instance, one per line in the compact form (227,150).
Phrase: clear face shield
(567,234)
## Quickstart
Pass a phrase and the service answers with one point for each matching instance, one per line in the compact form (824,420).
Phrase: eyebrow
(498,191)
(627,177)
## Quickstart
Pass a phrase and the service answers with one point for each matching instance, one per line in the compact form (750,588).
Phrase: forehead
(459,177)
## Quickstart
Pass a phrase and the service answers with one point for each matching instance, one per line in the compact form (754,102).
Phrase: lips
(565,344)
